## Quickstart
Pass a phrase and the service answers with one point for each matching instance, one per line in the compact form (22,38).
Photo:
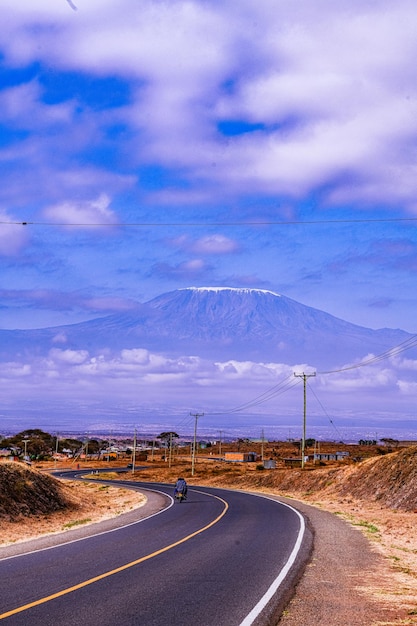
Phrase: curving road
(220,558)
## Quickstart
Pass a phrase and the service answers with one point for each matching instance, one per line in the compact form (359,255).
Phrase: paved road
(208,561)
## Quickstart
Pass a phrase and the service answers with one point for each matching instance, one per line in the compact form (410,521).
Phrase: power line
(270,393)
(208,223)
(407,344)
(184,422)
(288,382)
(324,410)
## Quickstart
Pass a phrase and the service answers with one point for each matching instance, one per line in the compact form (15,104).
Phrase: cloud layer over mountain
(226,352)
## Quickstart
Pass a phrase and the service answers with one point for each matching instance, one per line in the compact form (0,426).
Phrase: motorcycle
(179,496)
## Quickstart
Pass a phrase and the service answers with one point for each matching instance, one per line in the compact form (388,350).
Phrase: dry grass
(51,506)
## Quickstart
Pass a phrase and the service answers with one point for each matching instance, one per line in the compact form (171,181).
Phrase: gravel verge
(338,585)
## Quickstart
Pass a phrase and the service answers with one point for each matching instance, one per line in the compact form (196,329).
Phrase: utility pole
(262,446)
(303,440)
(220,443)
(56,450)
(134,453)
(196,416)
(170,449)
(26,441)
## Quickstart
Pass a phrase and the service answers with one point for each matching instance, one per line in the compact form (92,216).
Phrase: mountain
(216,323)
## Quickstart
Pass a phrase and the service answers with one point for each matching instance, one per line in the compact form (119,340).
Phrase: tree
(74,445)
(93,446)
(390,442)
(168,436)
(39,444)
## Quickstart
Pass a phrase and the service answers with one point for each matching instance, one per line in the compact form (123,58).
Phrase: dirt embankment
(25,492)
(390,480)
(33,503)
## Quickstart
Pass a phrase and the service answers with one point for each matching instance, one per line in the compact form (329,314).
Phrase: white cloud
(403,363)
(195,265)
(143,377)
(70,357)
(187,270)
(60,338)
(364,378)
(334,88)
(248,370)
(215,244)
(10,370)
(408,388)
(21,107)
(83,213)
(136,356)
(210,244)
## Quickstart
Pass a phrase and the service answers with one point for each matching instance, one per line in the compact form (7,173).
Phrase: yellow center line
(90,581)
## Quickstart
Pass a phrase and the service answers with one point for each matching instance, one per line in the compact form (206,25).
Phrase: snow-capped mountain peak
(231,289)
(219,323)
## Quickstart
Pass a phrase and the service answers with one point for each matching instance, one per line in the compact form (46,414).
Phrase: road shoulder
(336,586)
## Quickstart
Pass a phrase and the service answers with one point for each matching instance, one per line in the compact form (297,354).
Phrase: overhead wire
(185,422)
(289,382)
(270,393)
(407,344)
(207,223)
(324,410)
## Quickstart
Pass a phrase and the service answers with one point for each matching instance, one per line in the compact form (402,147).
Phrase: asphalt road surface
(219,558)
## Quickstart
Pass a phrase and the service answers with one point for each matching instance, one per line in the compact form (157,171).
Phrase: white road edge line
(259,607)
(103,532)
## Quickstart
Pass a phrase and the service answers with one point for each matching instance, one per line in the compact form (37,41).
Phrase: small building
(330,456)
(6,455)
(292,461)
(270,464)
(243,457)
(109,456)
(141,456)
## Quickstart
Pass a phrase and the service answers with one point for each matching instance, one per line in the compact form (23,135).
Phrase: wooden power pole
(303,439)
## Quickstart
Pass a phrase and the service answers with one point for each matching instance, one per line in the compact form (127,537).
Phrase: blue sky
(151,146)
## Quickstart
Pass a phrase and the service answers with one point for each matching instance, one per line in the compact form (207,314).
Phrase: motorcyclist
(181,487)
